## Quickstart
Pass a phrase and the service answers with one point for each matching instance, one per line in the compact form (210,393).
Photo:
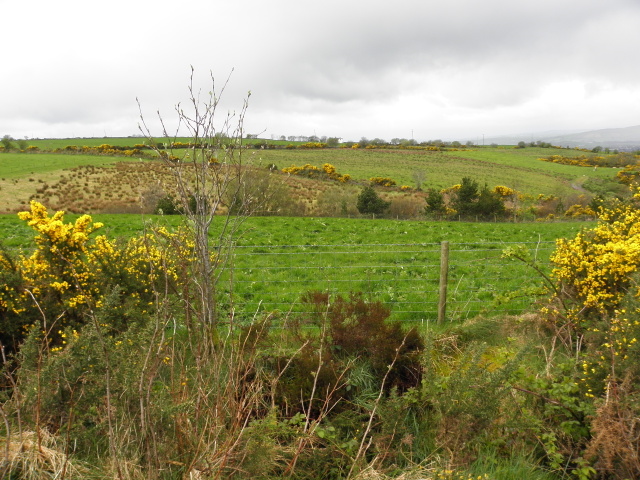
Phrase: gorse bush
(618,160)
(593,311)
(327,171)
(382,181)
(71,272)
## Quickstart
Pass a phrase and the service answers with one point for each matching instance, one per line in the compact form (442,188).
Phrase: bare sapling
(206,174)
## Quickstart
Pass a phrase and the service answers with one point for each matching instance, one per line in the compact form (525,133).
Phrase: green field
(516,168)
(442,169)
(53,143)
(390,260)
(519,168)
(24,165)
(270,231)
(278,259)
(289,255)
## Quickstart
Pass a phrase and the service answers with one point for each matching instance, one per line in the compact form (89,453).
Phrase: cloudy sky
(452,70)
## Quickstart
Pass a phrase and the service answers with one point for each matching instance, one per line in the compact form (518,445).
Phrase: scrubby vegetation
(109,371)
(127,358)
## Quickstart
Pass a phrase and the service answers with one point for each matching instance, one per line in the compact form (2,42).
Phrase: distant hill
(627,138)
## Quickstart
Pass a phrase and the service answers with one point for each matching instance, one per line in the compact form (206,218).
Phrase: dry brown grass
(616,433)
(34,457)
(128,187)
(136,187)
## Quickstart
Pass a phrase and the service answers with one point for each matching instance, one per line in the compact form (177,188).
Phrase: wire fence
(405,277)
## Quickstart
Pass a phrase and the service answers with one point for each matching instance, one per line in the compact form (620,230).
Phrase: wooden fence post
(444,275)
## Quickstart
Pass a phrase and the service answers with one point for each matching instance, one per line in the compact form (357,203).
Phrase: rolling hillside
(624,139)
(123,184)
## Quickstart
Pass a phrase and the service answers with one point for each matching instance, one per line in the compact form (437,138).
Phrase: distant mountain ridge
(626,138)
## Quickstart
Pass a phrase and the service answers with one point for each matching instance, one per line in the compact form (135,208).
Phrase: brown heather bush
(357,330)
(337,201)
(615,443)
(406,206)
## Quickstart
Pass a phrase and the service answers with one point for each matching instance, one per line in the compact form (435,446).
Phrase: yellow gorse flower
(70,272)
(595,273)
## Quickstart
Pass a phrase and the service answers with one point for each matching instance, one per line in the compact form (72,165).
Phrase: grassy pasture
(278,259)
(495,166)
(396,262)
(307,231)
(23,165)
(77,182)
(528,160)
(53,143)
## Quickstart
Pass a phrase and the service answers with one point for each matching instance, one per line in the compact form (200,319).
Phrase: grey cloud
(322,64)
(345,59)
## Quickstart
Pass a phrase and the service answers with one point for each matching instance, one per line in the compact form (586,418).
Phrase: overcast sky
(451,70)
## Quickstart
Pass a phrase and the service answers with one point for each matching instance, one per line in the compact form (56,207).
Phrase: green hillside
(47,169)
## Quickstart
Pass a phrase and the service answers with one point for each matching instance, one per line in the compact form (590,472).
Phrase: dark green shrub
(489,204)
(12,324)
(357,337)
(370,203)
(309,381)
(470,200)
(166,206)
(435,203)
(466,196)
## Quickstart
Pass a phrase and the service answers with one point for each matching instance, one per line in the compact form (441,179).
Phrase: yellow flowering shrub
(504,191)
(69,274)
(629,174)
(311,171)
(383,181)
(329,169)
(595,268)
(311,145)
(578,210)
(596,299)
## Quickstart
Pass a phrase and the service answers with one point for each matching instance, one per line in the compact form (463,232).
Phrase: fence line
(406,277)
